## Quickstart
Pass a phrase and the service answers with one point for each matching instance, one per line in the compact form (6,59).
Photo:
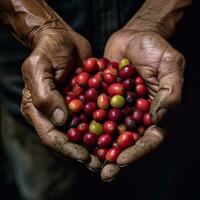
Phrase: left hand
(162,67)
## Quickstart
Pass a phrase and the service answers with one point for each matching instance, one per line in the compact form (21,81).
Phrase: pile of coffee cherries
(109,107)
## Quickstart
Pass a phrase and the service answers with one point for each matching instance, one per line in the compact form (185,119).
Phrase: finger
(109,172)
(39,76)
(152,138)
(114,52)
(170,84)
(94,163)
(51,137)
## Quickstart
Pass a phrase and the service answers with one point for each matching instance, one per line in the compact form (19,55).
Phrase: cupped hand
(162,67)
(54,54)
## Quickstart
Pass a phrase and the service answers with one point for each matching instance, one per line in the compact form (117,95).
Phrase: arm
(159,16)
(26,18)
(56,47)
(143,41)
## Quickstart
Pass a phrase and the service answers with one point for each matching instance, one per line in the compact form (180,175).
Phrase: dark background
(172,171)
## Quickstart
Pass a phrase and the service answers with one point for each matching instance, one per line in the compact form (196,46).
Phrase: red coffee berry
(112,154)
(125,139)
(110,127)
(104,140)
(74,135)
(142,104)
(147,119)
(91,65)
(75,105)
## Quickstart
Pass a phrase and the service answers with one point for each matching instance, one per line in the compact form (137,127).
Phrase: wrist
(158,16)
(29,19)
(143,25)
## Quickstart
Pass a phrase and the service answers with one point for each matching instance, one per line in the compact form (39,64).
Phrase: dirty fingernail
(58,116)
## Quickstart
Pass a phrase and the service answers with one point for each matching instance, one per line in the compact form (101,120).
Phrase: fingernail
(58,116)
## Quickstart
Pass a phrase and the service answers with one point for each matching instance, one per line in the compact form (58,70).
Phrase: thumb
(38,74)
(170,85)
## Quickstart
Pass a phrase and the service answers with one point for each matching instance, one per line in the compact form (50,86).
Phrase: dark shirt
(94,19)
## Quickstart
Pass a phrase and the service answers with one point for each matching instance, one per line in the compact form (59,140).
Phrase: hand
(55,52)
(162,68)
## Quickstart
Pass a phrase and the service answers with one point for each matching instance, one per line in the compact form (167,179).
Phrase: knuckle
(30,64)
(41,100)
(175,59)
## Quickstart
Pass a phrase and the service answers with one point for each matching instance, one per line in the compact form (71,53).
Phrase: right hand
(55,52)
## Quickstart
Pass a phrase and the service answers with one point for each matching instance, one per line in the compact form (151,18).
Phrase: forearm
(160,16)
(28,17)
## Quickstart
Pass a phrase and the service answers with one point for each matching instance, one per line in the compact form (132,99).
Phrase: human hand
(162,67)
(55,52)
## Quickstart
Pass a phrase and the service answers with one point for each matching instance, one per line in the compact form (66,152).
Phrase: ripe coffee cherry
(101,153)
(147,120)
(113,65)
(74,135)
(104,140)
(99,76)
(130,123)
(130,98)
(114,114)
(94,82)
(102,63)
(90,139)
(125,139)
(91,94)
(70,96)
(104,87)
(89,108)
(117,101)
(95,128)
(103,101)
(142,104)
(112,154)
(99,115)
(82,78)
(82,98)
(75,105)
(123,63)
(79,70)
(111,70)
(110,127)
(127,71)
(83,127)
(109,79)
(141,90)
(78,90)
(73,81)
(128,84)
(139,80)
(116,89)
(137,116)
(91,65)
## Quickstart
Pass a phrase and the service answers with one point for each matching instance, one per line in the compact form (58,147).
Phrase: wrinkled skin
(55,52)
(162,68)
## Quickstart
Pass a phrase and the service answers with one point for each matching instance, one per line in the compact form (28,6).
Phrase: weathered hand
(162,68)
(55,52)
